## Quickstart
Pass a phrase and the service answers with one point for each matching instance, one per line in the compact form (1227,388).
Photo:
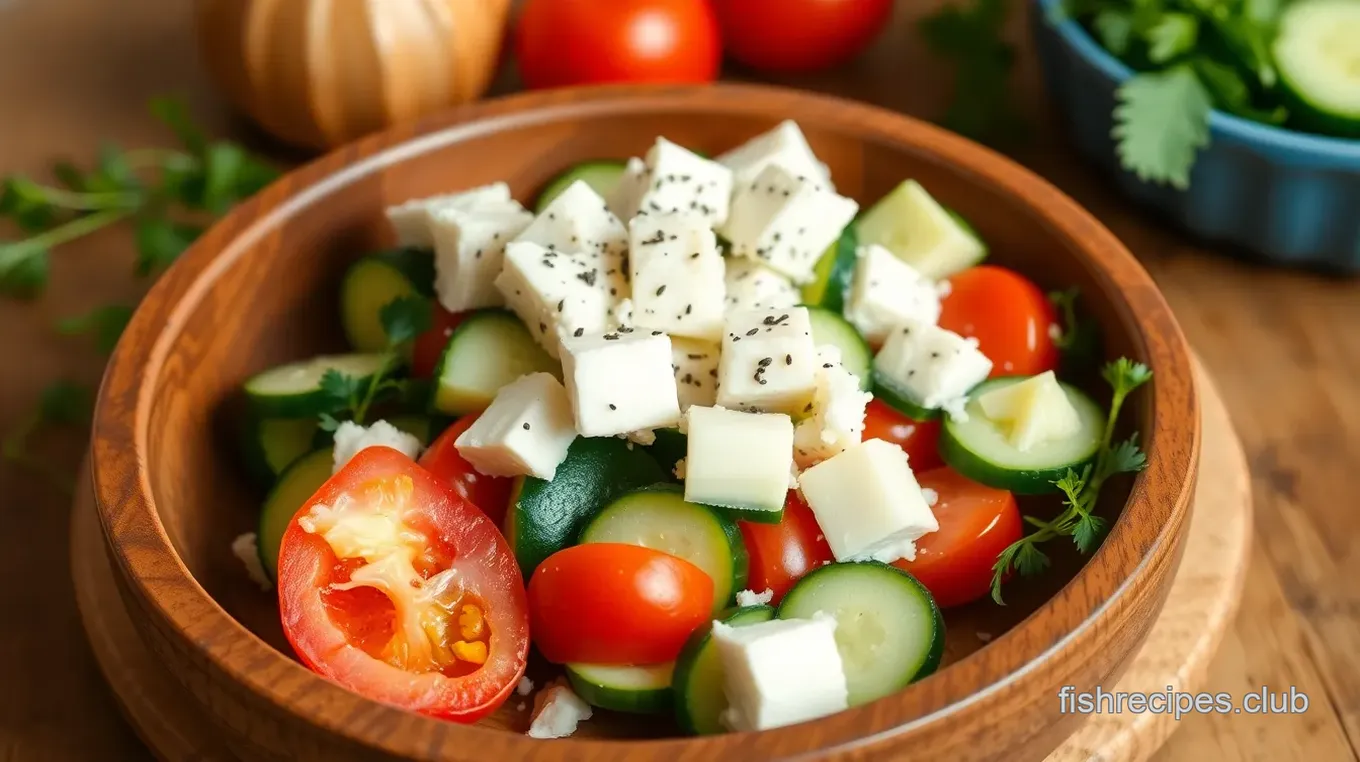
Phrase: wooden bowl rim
(143,551)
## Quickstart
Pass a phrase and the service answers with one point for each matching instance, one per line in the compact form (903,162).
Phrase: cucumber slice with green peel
(294,390)
(602,176)
(638,690)
(658,517)
(698,682)
(295,487)
(829,327)
(980,450)
(921,232)
(668,450)
(894,396)
(1317,52)
(374,281)
(888,629)
(545,517)
(833,274)
(272,444)
(488,350)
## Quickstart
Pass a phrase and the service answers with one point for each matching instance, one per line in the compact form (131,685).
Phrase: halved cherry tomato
(920,439)
(799,35)
(1009,316)
(780,554)
(429,346)
(394,587)
(976,524)
(489,493)
(609,603)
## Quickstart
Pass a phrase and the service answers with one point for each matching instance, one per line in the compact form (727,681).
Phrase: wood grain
(73,72)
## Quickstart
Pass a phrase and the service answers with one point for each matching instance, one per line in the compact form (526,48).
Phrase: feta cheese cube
(620,382)
(696,371)
(677,275)
(737,460)
(469,251)
(578,221)
(1036,411)
(786,222)
(887,292)
(752,598)
(679,180)
(784,145)
(763,689)
(557,711)
(411,221)
(627,195)
(837,412)
(752,286)
(868,503)
(350,438)
(524,432)
(768,361)
(933,367)
(556,294)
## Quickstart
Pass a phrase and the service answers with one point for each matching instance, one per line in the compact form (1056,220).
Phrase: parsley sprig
(969,35)
(403,319)
(1080,491)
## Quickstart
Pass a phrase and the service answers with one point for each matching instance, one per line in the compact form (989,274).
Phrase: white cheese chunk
(696,371)
(411,220)
(836,419)
(786,223)
(935,367)
(887,292)
(578,221)
(620,382)
(1036,411)
(768,361)
(784,145)
(752,286)
(737,460)
(679,180)
(868,503)
(764,689)
(558,711)
(246,548)
(677,275)
(525,686)
(627,195)
(350,438)
(469,251)
(557,294)
(524,432)
(752,598)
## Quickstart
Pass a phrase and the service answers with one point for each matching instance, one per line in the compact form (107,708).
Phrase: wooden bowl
(260,289)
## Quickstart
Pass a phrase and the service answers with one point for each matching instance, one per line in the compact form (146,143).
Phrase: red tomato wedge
(976,524)
(780,554)
(396,588)
(1008,314)
(429,346)
(609,603)
(919,439)
(489,493)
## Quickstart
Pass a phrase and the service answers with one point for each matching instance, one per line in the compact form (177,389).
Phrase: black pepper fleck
(526,425)
(788,359)
(612,406)
(753,332)
(661,291)
(578,332)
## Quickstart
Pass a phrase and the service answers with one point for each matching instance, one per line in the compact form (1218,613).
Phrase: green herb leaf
(66,402)
(405,318)
(24,269)
(970,36)
(106,324)
(1125,375)
(1114,29)
(1124,457)
(328,422)
(1161,121)
(23,201)
(341,387)
(1088,532)
(176,116)
(160,242)
(1173,36)
(113,174)
(1030,560)
(69,175)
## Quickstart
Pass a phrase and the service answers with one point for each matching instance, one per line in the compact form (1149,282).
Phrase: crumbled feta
(677,275)
(768,361)
(526,430)
(738,460)
(558,294)
(577,222)
(836,413)
(679,180)
(785,146)
(557,711)
(696,371)
(931,496)
(411,221)
(886,292)
(786,221)
(751,598)
(753,286)
(350,438)
(762,690)
(934,367)
(525,686)
(247,549)
(620,382)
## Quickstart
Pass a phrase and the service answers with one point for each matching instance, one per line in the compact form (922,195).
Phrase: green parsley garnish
(403,319)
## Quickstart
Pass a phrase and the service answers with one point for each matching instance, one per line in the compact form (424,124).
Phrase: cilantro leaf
(160,242)
(106,324)
(1030,560)
(1114,29)
(24,269)
(175,115)
(342,388)
(1124,457)
(23,201)
(1174,35)
(405,318)
(1161,121)
(1088,532)
(113,172)
(328,422)
(1125,375)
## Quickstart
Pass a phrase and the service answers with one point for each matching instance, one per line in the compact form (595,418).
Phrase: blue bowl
(1283,196)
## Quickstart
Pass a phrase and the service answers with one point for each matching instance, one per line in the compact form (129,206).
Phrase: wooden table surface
(1283,348)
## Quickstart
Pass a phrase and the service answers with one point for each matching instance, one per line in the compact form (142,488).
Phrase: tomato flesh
(976,523)
(919,439)
(799,35)
(429,346)
(1008,314)
(609,603)
(780,554)
(393,586)
(491,494)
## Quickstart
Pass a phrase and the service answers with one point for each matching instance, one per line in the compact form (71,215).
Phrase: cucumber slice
(374,281)
(638,690)
(545,517)
(1317,52)
(658,517)
(980,450)
(602,176)
(921,232)
(668,450)
(490,349)
(294,390)
(830,328)
(699,697)
(888,629)
(272,444)
(296,486)
(834,271)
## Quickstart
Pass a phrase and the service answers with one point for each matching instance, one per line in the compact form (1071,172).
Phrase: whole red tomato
(780,554)
(581,42)
(799,35)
